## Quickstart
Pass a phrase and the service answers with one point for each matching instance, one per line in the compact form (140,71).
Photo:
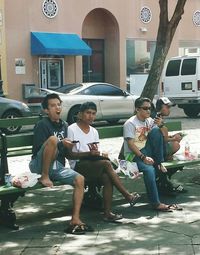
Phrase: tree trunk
(165,35)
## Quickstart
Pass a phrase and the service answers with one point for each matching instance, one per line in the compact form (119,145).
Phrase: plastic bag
(25,180)
(129,169)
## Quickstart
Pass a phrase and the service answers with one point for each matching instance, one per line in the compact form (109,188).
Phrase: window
(106,90)
(51,73)
(189,66)
(139,56)
(173,68)
(102,90)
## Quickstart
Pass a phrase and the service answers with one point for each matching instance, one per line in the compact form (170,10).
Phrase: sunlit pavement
(43,214)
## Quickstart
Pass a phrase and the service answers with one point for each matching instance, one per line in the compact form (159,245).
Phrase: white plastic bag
(25,180)
(129,169)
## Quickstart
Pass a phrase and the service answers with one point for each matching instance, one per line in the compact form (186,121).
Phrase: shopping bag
(129,169)
(25,180)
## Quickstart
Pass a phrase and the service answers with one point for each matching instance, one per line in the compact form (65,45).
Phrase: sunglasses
(146,108)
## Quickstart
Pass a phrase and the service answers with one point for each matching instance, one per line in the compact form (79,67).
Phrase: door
(93,66)
(51,73)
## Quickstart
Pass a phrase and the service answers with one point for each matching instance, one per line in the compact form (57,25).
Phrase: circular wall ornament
(145,14)
(196,18)
(50,8)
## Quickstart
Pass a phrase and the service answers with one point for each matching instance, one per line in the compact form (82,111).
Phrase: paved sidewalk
(43,214)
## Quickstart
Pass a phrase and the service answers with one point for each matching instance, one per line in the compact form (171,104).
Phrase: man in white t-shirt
(86,159)
(144,144)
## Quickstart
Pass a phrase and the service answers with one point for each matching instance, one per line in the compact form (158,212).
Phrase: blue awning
(58,44)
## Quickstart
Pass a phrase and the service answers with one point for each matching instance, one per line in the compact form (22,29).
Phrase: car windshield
(69,88)
(76,90)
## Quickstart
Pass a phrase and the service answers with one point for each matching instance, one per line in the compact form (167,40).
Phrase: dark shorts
(91,170)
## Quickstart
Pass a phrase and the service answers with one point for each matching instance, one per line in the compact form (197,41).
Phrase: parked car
(181,83)
(67,88)
(112,102)
(12,109)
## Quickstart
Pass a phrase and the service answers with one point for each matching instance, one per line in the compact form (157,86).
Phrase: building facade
(48,43)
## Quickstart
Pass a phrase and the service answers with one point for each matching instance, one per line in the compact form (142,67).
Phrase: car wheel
(112,122)
(10,115)
(191,112)
(72,116)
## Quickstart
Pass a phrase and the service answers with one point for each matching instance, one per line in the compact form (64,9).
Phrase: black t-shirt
(46,128)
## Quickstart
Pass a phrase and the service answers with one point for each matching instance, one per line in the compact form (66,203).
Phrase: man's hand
(158,121)
(93,146)
(177,137)
(67,143)
(162,168)
(148,161)
(94,153)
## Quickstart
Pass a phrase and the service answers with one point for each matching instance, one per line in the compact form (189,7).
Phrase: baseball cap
(163,100)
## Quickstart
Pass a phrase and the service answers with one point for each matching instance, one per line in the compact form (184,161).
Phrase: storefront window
(51,73)
(139,56)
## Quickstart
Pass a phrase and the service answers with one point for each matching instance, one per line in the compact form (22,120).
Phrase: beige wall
(113,20)
(3,45)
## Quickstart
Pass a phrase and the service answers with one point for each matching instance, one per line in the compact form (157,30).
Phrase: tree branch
(178,12)
(163,12)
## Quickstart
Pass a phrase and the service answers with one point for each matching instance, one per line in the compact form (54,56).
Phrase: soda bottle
(187,149)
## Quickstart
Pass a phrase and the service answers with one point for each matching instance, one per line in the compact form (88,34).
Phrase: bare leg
(175,148)
(49,154)
(77,199)
(116,180)
(107,195)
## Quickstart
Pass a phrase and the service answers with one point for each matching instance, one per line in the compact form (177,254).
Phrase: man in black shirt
(49,151)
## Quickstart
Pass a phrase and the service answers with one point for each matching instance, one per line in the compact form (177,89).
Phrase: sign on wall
(20,66)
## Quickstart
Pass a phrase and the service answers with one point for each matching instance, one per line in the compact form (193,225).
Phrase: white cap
(165,100)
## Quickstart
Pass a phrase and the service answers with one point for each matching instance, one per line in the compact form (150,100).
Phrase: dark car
(12,109)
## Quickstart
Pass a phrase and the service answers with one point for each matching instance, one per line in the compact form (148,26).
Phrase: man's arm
(138,153)
(81,155)
(170,138)
(133,147)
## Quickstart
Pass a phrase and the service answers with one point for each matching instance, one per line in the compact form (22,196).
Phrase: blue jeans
(154,148)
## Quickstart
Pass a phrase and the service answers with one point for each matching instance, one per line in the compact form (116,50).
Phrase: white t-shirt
(138,130)
(75,133)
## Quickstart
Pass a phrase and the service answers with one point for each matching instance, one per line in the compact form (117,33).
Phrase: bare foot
(111,217)
(46,182)
(163,208)
(134,198)
(76,222)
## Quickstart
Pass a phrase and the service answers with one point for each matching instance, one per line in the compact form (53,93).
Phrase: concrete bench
(21,144)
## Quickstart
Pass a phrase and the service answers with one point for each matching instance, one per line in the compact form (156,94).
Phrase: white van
(181,83)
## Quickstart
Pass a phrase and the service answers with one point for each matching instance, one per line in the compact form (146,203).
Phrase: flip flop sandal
(175,207)
(87,228)
(75,230)
(134,199)
(114,218)
(167,208)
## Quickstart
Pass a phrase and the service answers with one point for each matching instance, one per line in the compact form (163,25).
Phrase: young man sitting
(90,164)
(171,146)
(49,150)
(144,144)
